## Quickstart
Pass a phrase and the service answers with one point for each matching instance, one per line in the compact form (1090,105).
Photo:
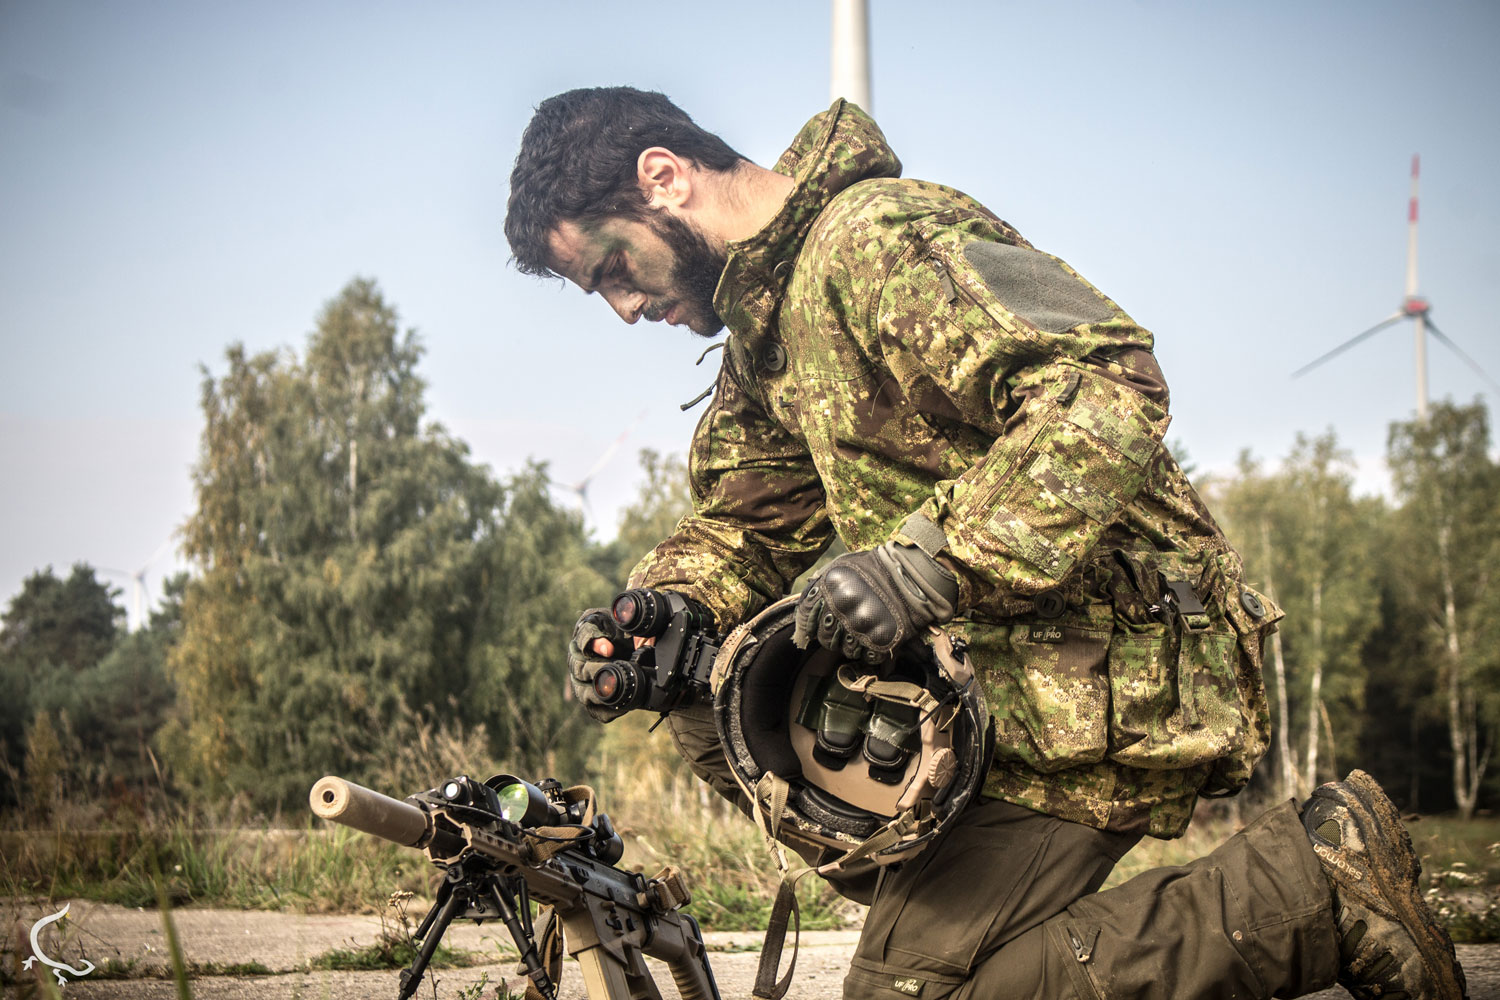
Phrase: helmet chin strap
(888,836)
(771,795)
(901,692)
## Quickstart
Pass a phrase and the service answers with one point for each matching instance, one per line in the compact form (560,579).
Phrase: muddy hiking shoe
(1390,944)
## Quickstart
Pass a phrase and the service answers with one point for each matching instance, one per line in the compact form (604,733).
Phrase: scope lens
(519,801)
(513,801)
(452,791)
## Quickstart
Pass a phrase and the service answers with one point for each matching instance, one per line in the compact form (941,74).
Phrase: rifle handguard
(344,802)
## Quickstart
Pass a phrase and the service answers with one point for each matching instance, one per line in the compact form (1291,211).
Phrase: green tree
(116,706)
(1405,737)
(359,573)
(60,623)
(1329,583)
(541,579)
(662,499)
(1448,485)
(53,630)
(1248,503)
(1307,542)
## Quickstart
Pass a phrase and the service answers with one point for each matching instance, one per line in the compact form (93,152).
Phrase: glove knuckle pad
(860,605)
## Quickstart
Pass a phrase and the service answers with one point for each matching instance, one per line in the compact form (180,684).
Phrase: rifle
(505,842)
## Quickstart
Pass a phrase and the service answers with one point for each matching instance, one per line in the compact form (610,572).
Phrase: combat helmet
(872,762)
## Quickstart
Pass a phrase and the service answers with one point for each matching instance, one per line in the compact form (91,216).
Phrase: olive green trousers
(1006,905)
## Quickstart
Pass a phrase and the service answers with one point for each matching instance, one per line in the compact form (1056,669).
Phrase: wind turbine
(581,487)
(850,56)
(135,618)
(1413,307)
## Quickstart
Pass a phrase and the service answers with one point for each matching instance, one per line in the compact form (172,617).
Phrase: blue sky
(175,177)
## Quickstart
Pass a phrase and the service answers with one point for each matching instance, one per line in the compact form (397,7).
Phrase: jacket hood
(834,150)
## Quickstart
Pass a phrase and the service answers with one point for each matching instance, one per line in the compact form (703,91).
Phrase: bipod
(477,895)
(430,933)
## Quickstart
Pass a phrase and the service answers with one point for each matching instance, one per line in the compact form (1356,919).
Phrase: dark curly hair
(578,163)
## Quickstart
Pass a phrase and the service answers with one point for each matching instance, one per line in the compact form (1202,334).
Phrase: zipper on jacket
(949,292)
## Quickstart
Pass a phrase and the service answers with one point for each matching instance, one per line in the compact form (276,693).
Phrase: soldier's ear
(665,178)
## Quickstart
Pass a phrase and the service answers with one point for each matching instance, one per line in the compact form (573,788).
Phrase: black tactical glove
(866,604)
(584,663)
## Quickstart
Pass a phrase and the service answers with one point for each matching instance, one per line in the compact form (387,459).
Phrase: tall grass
(1461,870)
(1460,865)
(111,848)
(668,816)
(307,869)
(230,857)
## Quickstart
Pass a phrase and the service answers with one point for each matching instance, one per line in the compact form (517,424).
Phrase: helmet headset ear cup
(874,760)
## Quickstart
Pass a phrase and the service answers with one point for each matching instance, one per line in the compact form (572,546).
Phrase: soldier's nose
(627,307)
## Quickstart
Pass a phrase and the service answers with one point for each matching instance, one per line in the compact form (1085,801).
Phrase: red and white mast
(1412,305)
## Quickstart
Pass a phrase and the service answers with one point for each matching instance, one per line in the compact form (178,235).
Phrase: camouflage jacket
(896,348)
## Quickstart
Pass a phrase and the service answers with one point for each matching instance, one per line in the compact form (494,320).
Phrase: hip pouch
(1185,689)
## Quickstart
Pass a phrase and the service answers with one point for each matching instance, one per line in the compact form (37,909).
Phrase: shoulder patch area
(1036,287)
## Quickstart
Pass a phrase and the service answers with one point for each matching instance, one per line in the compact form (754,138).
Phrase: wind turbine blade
(581,487)
(607,454)
(1348,344)
(1440,335)
(163,547)
(1411,229)
(614,446)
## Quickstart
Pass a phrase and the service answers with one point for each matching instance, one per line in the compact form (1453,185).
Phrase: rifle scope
(545,804)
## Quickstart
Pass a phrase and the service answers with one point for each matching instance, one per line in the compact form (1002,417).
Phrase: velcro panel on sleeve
(1037,287)
(1070,485)
(1122,418)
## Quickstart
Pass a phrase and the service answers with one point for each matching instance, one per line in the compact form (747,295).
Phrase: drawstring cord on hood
(710,390)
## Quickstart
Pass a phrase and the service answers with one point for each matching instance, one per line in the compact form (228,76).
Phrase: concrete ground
(216,940)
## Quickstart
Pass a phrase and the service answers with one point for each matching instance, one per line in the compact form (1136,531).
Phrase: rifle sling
(549,841)
(549,946)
